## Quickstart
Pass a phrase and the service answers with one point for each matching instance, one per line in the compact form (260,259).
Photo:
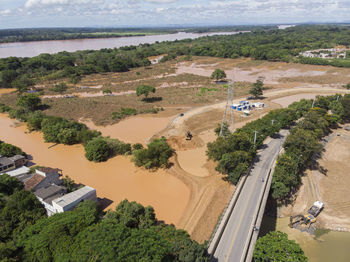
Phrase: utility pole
(255,132)
(337,98)
(313,103)
(228,114)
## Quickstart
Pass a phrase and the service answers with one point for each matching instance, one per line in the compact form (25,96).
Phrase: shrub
(9,150)
(59,88)
(34,120)
(29,102)
(97,150)
(4,108)
(124,112)
(156,155)
(137,146)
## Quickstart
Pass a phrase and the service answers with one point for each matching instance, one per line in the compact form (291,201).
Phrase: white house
(69,201)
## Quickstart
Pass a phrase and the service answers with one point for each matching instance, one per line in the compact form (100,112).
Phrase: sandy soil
(115,179)
(6,90)
(136,129)
(244,75)
(332,188)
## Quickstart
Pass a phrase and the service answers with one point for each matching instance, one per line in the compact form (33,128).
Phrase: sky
(141,13)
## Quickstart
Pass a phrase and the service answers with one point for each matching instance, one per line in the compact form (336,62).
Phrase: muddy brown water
(332,246)
(115,179)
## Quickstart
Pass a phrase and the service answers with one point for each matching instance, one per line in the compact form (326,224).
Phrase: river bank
(30,49)
(116,179)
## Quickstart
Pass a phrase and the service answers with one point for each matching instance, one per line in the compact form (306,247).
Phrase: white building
(69,201)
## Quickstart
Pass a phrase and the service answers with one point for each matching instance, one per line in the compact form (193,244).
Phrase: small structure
(246,113)
(70,200)
(6,164)
(10,163)
(47,194)
(43,177)
(259,105)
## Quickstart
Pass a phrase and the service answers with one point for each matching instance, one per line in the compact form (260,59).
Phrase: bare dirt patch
(332,188)
(136,129)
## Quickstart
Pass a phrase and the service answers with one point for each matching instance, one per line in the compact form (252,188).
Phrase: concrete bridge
(237,232)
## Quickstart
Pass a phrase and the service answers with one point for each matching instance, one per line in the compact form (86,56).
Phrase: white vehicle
(316,208)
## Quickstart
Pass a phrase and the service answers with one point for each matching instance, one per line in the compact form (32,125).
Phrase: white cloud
(5,12)
(161,1)
(35,3)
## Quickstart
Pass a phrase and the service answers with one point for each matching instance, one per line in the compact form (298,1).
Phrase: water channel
(30,49)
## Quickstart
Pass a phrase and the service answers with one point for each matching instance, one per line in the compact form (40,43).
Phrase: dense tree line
(274,45)
(97,148)
(275,246)
(130,233)
(18,210)
(235,152)
(40,34)
(303,143)
(9,150)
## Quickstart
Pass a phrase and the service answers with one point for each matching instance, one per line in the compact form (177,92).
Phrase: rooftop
(73,196)
(50,199)
(5,161)
(48,169)
(33,181)
(16,157)
(49,191)
(18,171)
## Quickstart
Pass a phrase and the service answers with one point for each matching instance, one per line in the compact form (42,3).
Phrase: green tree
(257,89)
(21,209)
(60,88)
(22,83)
(9,184)
(225,130)
(97,150)
(133,215)
(218,74)
(9,150)
(34,120)
(145,90)
(156,155)
(275,246)
(68,183)
(29,102)
(107,91)
(52,238)
(7,76)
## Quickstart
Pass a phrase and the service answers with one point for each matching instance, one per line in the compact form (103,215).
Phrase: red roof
(33,182)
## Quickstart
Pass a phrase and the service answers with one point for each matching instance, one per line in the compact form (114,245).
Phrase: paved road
(238,228)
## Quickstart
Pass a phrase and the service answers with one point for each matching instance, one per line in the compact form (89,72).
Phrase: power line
(228,114)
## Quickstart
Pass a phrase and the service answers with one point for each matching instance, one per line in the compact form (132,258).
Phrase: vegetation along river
(116,179)
(30,49)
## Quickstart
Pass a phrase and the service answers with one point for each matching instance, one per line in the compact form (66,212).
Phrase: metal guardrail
(249,247)
(219,228)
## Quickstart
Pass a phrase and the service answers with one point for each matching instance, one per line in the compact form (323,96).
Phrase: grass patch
(124,112)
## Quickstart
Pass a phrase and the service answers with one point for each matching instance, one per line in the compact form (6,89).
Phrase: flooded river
(332,246)
(115,179)
(30,49)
